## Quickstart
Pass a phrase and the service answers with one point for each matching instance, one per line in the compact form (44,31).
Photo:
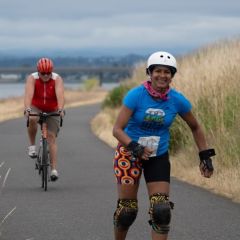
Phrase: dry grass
(102,124)
(11,108)
(225,181)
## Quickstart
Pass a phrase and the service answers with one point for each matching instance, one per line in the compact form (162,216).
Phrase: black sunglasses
(45,73)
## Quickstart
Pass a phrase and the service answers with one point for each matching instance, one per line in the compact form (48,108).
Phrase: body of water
(8,90)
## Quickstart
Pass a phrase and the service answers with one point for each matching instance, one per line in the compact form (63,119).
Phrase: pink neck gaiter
(154,93)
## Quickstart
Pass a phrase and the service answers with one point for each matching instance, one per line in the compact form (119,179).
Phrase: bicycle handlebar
(45,115)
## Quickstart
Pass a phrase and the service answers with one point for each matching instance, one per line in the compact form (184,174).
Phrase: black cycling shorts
(157,169)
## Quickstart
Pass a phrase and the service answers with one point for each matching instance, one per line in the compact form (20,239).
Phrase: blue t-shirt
(153,117)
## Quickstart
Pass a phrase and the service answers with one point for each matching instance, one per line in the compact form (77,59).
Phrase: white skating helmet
(162,58)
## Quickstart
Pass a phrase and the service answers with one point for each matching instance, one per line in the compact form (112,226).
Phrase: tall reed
(210,78)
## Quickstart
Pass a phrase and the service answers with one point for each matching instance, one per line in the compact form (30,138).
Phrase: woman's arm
(118,128)
(205,154)
(196,129)
(118,132)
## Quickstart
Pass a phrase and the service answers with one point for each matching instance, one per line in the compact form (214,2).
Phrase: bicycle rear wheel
(45,164)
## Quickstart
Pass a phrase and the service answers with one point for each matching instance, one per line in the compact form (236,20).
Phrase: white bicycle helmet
(162,58)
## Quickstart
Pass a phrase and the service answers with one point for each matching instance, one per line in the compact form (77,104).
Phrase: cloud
(115,24)
(77,9)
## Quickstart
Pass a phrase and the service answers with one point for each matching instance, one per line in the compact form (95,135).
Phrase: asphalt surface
(80,205)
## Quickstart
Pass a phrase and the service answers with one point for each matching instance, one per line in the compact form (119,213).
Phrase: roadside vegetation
(91,84)
(209,78)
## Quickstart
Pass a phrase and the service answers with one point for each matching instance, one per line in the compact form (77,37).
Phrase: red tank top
(44,97)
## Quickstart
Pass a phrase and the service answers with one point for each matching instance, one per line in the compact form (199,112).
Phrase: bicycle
(43,157)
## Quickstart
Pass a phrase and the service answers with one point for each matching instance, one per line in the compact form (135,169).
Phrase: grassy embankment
(209,78)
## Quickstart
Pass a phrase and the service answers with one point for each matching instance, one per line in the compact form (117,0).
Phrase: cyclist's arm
(29,91)
(59,88)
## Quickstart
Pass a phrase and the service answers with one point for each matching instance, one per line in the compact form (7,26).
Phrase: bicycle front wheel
(45,164)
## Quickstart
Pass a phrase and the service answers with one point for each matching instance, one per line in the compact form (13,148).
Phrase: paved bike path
(80,205)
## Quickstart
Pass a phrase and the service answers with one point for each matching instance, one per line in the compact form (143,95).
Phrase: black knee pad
(125,213)
(160,212)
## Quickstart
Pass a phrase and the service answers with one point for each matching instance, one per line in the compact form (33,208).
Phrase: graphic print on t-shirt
(153,119)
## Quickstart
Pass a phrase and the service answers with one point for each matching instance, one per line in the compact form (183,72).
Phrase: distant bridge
(102,73)
(60,70)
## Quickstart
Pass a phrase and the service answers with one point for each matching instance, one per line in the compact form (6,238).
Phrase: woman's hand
(204,171)
(206,166)
(147,153)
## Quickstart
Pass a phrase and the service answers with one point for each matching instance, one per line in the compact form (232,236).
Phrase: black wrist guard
(136,149)
(205,158)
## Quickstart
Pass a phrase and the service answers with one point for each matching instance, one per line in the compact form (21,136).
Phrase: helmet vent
(161,56)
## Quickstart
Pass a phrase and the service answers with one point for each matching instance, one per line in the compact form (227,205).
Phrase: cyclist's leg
(53,129)
(127,174)
(32,132)
(52,149)
(157,176)
(33,126)
(32,129)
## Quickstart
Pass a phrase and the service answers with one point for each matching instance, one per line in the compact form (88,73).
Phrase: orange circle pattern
(126,171)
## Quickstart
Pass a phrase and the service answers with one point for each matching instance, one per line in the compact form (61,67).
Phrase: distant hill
(115,62)
(128,60)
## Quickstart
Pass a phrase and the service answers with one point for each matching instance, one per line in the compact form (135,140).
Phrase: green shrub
(206,113)
(115,96)
(231,111)
(179,135)
(91,84)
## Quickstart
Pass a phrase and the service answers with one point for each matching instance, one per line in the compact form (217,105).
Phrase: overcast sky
(115,26)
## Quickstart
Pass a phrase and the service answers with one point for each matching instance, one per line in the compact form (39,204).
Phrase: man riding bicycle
(44,92)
